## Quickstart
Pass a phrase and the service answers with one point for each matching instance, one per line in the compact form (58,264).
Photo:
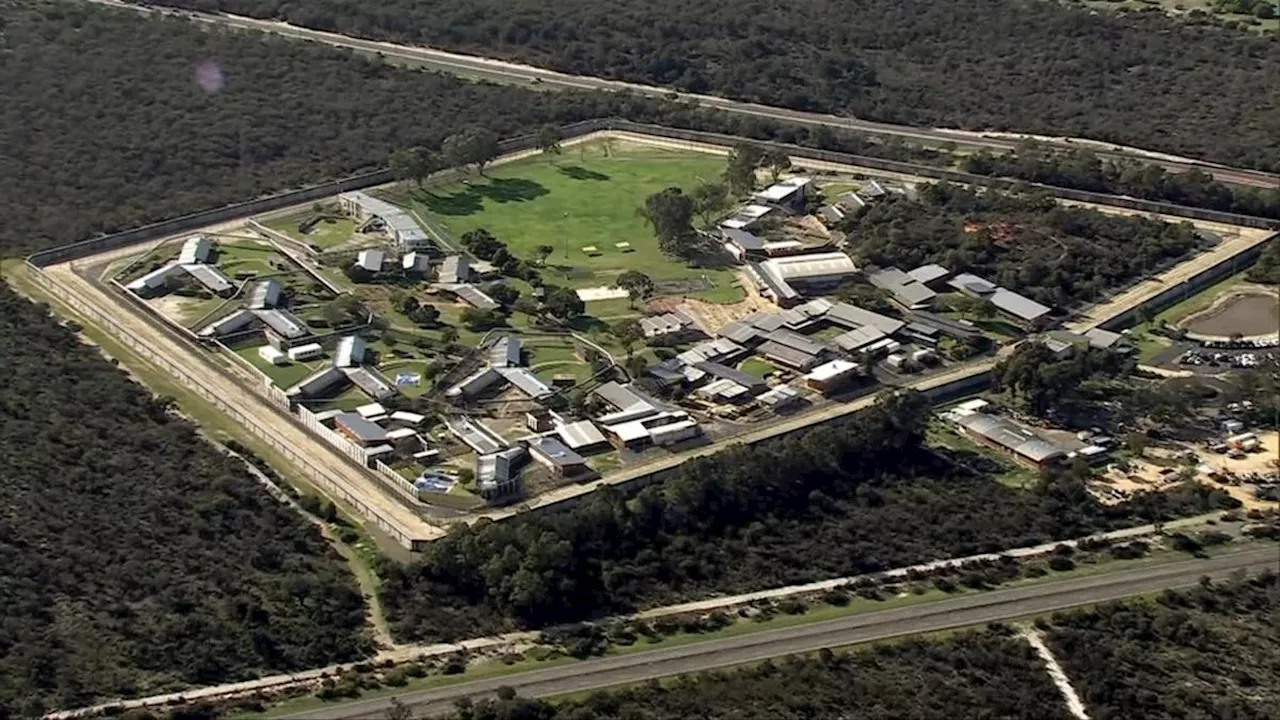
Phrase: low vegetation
(1042,67)
(137,558)
(1209,651)
(975,674)
(832,501)
(1056,254)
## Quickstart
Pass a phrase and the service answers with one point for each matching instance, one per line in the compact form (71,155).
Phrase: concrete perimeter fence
(319,475)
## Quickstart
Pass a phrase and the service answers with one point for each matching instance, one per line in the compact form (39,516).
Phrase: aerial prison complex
(497,419)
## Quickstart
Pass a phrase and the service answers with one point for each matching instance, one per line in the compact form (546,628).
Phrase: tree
(710,201)
(563,303)
(449,334)
(526,305)
(503,293)
(415,163)
(548,139)
(740,171)
(670,213)
(541,253)
(482,243)
(777,161)
(638,285)
(479,320)
(425,315)
(476,146)
(628,333)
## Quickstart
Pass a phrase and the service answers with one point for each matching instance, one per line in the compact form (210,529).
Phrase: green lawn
(1018,477)
(325,234)
(389,369)
(757,367)
(284,376)
(244,257)
(580,199)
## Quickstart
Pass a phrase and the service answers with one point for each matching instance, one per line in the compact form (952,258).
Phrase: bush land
(137,558)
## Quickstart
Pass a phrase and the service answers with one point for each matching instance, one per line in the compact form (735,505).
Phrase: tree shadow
(577,172)
(511,190)
(471,200)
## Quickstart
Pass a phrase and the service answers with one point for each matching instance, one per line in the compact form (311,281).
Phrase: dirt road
(336,471)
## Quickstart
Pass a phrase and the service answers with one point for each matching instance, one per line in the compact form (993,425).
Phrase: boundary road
(515,73)
(963,611)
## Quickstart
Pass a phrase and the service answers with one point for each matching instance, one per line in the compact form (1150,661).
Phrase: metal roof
(972,284)
(580,434)
(1018,305)
(230,323)
(1011,436)
(475,435)
(852,316)
(350,351)
(551,450)
(318,381)
(195,250)
(399,222)
(455,269)
(787,356)
(210,277)
(370,260)
(364,430)
(475,383)
(415,261)
(929,273)
(906,290)
(505,352)
(156,277)
(496,469)
(283,323)
(373,386)
(525,381)
(779,395)
(795,340)
(264,294)
(814,265)
(742,239)
(832,370)
(471,295)
(740,332)
(1100,338)
(621,397)
(858,338)
(725,372)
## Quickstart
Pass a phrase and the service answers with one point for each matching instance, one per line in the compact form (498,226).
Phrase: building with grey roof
(368,381)
(972,285)
(264,294)
(787,356)
(724,372)
(283,323)
(668,326)
(526,382)
(582,435)
(548,451)
(1104,339)
(779,398)
(719,349)
(237,320)
(621,397)
(506,351)
(359,429)
(211,278)
(473,296)
(497,474)
(785,279)
(930,274)
(475,383)
(370,260)
(742,244)
(415,262)
(475,435)
(787,194)
(399,224)
(195,250)
(796,341)
(852,316)
(350,351)
(904,289)
(947,326)
(156,279)
(319,382)
(854,341)
(1018,306)
(454,270)
(1017,441)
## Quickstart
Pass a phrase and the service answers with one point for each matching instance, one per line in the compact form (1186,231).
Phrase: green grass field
(582,198)
(234,258)
(284,376)
(757,367)
(325,234)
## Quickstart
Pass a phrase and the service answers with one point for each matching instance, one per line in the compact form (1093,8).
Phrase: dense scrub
(973,675)
(1083,170)
(137,558)
(834,500)
(111,120)
(1057,254)
(1206,652)
(1029,65)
